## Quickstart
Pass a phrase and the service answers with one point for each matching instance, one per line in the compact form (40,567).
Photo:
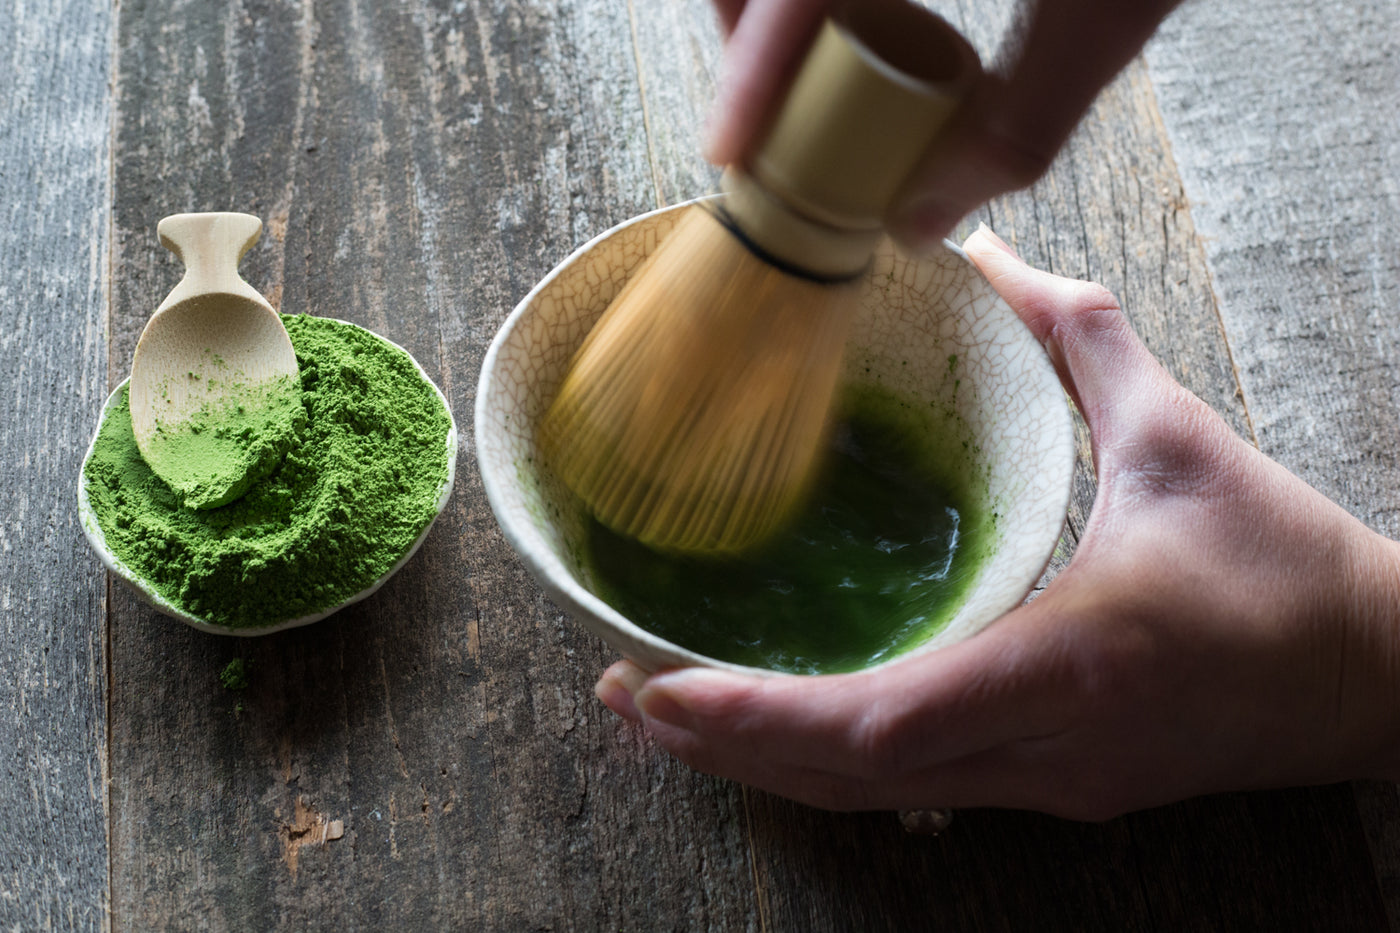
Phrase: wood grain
(419,166)
(1283,122)
(54,121)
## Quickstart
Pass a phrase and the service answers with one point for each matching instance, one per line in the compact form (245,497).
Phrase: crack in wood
(307,828)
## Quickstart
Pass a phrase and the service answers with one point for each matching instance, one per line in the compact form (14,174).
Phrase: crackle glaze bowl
(931,330)
(149,594)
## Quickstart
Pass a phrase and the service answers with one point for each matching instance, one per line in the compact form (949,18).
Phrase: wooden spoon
(215,393)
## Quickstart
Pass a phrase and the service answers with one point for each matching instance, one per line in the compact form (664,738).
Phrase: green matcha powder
(217,453)
(357,487)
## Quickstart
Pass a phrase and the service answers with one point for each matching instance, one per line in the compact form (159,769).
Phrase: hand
(1221,626)
(1004,137)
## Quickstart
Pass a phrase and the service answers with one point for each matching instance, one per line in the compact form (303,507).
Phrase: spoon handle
(211,246)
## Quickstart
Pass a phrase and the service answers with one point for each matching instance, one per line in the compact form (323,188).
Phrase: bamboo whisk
(694,429)
(693,414)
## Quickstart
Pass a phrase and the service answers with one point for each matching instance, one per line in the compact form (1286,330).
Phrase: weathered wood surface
(1290,147)
(54,131)
(419,166)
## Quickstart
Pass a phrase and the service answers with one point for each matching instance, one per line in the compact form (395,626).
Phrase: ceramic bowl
(930,329)
(150,595)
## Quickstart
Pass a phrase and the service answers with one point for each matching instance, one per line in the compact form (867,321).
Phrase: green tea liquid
(877,562)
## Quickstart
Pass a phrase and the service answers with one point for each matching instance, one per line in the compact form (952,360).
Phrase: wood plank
(54,123)
(420,166)
(1229,862)
(1112,209)
(1289,150)
(677,47)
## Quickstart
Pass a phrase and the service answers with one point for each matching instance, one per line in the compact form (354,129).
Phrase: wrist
(1369,681)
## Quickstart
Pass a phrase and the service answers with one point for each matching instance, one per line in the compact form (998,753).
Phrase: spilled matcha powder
(234,676)
(358,485)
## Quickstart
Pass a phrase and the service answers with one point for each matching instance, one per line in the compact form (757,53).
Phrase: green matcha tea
(877,562)
(358,485)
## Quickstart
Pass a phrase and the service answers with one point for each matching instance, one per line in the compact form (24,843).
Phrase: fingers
(617,686)
(1011,126)
(1023,773)
(1003,137)
(874,725)
(766,44)
(767,41)
(993,778)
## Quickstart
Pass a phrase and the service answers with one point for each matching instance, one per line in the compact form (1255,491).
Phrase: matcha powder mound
(358,486)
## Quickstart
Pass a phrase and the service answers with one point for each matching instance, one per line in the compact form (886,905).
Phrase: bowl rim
(550,572)
(98,540)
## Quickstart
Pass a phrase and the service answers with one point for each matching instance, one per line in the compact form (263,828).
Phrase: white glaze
(915,315)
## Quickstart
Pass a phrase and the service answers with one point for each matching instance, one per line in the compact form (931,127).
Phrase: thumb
(1100,361)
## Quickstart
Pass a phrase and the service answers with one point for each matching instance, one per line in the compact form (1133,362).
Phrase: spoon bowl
(215,398)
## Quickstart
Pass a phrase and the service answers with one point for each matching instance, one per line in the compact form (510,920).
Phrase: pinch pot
(148,593)
(931,330)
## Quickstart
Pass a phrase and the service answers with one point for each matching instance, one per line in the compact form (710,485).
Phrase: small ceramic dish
(152,596)
(931,330)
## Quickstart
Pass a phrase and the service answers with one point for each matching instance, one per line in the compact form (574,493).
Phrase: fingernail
(664,698)
(716,143)
(658,706)
(997,241)
(617,689)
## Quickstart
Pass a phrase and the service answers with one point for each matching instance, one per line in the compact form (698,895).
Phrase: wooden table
(419,166)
